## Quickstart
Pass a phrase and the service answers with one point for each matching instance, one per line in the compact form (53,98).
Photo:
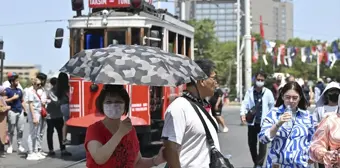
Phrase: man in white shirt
(183,132)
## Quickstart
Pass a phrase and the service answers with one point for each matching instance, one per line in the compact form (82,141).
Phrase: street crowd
(298,137)
(37,106)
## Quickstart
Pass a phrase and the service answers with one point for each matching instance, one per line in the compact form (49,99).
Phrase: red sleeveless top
(125,153)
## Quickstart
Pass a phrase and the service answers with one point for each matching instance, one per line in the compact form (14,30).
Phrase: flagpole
(317,65)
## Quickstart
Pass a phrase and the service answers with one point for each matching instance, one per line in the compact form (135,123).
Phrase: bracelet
(153,161)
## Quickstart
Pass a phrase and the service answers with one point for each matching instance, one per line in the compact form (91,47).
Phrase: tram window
(180,44)
(172,42)
(94,38)
(135,36)
(118,35)
(75,41)
(188,46)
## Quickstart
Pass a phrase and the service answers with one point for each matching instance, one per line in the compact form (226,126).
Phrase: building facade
(277,17)
(25,71)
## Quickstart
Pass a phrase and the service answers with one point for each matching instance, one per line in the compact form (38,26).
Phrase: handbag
(43,109)
(250,116)
(217,160)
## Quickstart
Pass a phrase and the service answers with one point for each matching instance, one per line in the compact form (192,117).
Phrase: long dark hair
(62,85)
(292,86)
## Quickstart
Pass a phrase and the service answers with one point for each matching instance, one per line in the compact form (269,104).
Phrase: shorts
(65,110)
(216,113)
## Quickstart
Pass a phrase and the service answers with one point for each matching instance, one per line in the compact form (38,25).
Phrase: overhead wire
(32,22)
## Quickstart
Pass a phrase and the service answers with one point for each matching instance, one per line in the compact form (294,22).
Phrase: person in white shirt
(183,132)
(43,96)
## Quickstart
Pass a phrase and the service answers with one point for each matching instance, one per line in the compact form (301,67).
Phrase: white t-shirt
(183,126)
(41,93)
(6,84)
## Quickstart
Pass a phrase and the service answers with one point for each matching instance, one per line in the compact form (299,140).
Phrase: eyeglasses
(213,78)
(294,98)
(38,84)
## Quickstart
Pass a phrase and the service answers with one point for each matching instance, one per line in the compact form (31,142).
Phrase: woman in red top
(111,142)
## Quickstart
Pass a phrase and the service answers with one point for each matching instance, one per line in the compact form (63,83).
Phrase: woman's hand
(35,121)
(159,159)
(331,157)
(284,118)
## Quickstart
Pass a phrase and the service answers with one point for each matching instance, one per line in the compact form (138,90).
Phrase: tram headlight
(137,4)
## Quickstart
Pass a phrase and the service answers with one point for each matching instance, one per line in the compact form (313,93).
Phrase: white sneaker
(40,156)
(10,149)
(32,156)
(224,130)
(21,149)
(43,153)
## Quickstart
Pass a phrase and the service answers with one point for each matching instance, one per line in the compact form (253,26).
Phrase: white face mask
(113,110)
(259,83)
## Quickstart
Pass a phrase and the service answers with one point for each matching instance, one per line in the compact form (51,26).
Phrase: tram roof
(117,19)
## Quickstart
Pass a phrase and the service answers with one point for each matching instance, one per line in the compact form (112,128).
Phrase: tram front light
(136,4)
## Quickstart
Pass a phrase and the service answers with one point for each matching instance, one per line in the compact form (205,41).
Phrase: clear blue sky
(33,43)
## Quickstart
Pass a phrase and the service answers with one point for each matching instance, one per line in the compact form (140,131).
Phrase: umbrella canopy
(133,65)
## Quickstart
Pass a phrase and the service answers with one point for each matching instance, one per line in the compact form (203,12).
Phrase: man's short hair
(53,81)
(261,73)
(206,65)
(42,76)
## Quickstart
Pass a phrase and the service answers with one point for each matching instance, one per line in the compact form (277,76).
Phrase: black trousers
(260,156)
(2,147)
(321,165)
(58,124)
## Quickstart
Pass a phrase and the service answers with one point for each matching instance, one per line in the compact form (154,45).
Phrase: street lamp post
(247,39)
(238,62)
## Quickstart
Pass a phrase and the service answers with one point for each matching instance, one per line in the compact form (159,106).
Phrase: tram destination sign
(112,3)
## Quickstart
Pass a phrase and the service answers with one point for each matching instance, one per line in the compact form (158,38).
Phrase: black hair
(206,65)
(53,81)
(109,89)
(330,92)
(292,86)
(42,77)
(13,78)
(62,85)
(260,73)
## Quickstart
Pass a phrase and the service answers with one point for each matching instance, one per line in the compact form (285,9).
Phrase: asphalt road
(234,143)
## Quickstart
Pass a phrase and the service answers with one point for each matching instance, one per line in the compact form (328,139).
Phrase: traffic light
(1,44)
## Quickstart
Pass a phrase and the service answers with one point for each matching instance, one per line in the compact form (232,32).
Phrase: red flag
(261,28)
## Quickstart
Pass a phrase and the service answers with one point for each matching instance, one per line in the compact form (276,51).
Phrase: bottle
(289,123)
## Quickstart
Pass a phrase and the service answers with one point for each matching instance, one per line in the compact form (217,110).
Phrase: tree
(205,38)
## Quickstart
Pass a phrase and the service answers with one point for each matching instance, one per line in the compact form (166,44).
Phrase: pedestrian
(257,102)
(63,94)
(276,86)
(112,142)
(3,121)
(183,134)
(34,118)
(327,104)
(290,130)
(318,89)
(55,120)
(43,95)
(216,102)
(16,117)
(306,91)
(325,146)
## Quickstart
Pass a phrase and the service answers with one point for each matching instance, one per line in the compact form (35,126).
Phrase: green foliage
(207,46)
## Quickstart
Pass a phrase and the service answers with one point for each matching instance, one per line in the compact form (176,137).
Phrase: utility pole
(2,58)
(238,62)
(247,39)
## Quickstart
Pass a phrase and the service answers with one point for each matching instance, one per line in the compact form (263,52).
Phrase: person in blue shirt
(16,118)
(289,132)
